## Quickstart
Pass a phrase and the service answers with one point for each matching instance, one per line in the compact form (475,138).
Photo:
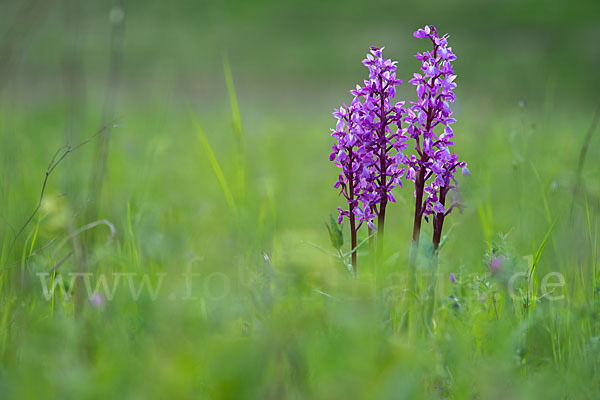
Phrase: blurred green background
(295,326)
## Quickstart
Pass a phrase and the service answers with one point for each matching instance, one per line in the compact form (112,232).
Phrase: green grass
(233,183)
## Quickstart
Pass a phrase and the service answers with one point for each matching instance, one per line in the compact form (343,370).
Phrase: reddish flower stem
(419,188)
(351,215)
(383,170)
(353,240)
(438,221)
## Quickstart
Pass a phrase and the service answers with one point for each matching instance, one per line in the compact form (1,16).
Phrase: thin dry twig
(113,232)
(61,261)
(58,157)
(87,227)
(33,254)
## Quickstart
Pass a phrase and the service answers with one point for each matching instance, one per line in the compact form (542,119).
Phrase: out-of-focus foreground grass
(269,315)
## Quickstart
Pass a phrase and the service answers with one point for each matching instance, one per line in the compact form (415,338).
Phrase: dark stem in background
(30,15)
(117,17)
(73,73)
(582,154)
(74,89)
(438,221)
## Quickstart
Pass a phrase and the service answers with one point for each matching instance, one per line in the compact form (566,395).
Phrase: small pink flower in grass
(495,264)
(97,300)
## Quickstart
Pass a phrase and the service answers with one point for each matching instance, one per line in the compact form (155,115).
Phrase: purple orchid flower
(370,145)
(429,122)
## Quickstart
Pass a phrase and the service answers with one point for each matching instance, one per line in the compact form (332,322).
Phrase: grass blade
(214,164)
(540,250)
(485,222)
(237,130)
(235,110)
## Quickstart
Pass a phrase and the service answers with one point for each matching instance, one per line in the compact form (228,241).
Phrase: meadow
(166,190)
